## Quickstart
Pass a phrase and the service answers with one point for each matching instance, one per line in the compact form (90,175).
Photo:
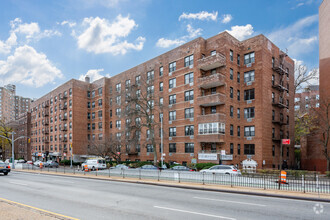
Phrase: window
(99,91)
(93,93)
(238,59)
(161,86)
(172,115)
(231,54)
(150,148)
(150,75)
(231,111)
(231,148)
(249,131)
(238,95)
(93,104)
(189,95)
(238,131)
(99,114)
(161,101)
(118,87)
(100,125)
(118,124)
(161,71)
(172,99)
(189,147)
(100,102)
(213,52)
(273,132)
(189,113)
(213,90)
(88,95)
(273,62)
(93,126)
(118,111)
(273,97)
(273,151)
(249,149)
(137,79)
(93,115)
(231,130)
(249,76)
(189,130)
(231,74)
(172,148)
(249,58)
(238,77)
(249,94)
(231,92)
(188,78)
(211,128)
(238,113)
(273,115)
(249,112)
(150,90)
(273,80)
(213,71)
(172,67)
(172,132)
(172,83)
(189,60)
(213,109)
(238,149)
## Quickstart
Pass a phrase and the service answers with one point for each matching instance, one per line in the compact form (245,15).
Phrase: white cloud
(165,43)
(192,33)
(93,74)
(226,18)
(241,32)
(102,36)
(27,66)
(105,3)
(297,37)
(69,23)
(203,15)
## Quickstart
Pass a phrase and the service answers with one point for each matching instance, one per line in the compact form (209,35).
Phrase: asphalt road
(99,199)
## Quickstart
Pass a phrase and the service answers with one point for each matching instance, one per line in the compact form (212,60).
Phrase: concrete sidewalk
(199,186)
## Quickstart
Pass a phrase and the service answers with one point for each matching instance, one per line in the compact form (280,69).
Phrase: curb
(312,199)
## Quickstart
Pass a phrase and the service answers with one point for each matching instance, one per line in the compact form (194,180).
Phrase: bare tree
(5,130)
(106,148)
(303,77)
(322,130)
(140,110)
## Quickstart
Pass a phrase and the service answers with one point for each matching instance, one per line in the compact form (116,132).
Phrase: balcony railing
(279,104)
(219,117)
(215,80)
(279,87)
(211,100)
(279,68)
(212,62)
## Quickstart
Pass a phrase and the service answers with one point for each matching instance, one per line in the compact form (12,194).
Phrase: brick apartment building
(217,94)
(307,99)
(22,127)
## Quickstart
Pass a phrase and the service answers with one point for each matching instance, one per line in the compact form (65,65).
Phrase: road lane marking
(22,184)
(41,210)
(219,200)
(196,213)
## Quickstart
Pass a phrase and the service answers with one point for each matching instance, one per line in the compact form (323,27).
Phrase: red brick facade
(217,66)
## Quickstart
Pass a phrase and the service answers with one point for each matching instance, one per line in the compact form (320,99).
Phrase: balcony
(211,138)
(132,152)
(211,81)
(219,117)
(277,67)
(211,100)
(279,122)
(45,132)
(211,62)
(45,123)
(279,87)
(46,113)
(46,105)
(279,104)
(276,139)
(64,129)
(64,118)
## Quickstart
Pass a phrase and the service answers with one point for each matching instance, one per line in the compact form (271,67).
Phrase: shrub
(68,162)
(327,174)
(200,166)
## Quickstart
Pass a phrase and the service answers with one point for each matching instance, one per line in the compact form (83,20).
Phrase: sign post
(283,142)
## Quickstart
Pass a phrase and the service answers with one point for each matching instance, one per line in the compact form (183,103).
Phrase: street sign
(223,152)
(285,141)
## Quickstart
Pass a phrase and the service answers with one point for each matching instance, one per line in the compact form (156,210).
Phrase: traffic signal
(29,140)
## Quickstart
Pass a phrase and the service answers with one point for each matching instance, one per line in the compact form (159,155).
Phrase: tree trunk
(328,164)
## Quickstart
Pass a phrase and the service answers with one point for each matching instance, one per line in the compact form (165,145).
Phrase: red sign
(118,153)
(285,141)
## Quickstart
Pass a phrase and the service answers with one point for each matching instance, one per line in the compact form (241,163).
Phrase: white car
(37,163)
(223,169)
(94,164)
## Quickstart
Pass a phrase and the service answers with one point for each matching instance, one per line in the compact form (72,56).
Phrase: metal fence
(315,184)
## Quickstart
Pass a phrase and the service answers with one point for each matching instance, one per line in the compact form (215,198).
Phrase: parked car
(182,168)
(94,164)
(29,162)
(21,161)
(51,164)
(149,167)
(37,163)
(120,166)
(5,169)
(223,169)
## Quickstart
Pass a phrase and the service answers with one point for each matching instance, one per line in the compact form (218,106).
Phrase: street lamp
(12,145)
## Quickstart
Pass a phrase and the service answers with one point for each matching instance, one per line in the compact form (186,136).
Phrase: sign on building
(207,157)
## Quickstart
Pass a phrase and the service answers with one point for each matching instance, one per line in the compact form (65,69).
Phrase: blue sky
(45,43)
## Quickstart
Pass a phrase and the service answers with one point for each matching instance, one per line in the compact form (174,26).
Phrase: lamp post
(161,141)
(12,145)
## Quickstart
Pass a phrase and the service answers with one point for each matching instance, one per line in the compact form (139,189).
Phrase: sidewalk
(198,186)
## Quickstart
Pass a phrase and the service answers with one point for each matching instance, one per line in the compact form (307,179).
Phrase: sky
(44,43)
